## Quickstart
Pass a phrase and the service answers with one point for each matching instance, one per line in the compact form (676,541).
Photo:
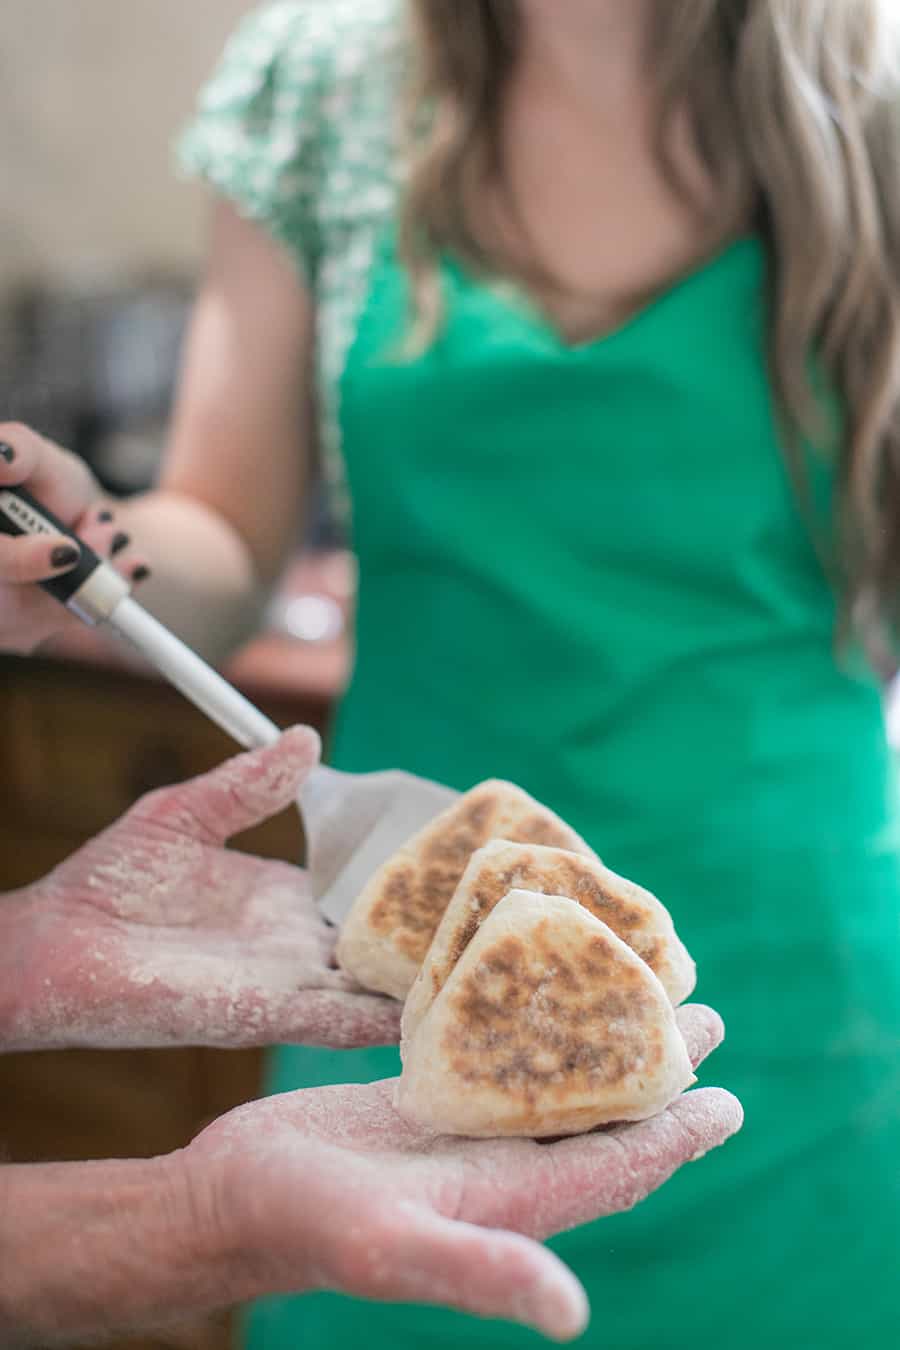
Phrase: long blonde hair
(796,102)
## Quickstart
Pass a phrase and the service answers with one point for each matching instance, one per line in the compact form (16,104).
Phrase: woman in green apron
(591,561)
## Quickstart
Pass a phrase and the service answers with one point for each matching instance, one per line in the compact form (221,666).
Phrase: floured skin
(548,1024)
(389,930)
(632,913)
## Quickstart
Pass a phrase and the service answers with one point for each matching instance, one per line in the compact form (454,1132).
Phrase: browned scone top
(548,1024)
(500,866)
(389,930)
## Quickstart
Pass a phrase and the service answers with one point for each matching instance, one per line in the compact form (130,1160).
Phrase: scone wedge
(549,1024)
(501,866)
(388,931)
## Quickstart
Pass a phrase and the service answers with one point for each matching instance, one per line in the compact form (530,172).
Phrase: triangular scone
(548,1024)
(388,931)
(633,914)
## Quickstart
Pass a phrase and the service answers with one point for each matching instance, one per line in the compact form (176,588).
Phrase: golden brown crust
(538,829)
(399,912)
(548,1024)
(417,890)
(602,893)
(540,1022)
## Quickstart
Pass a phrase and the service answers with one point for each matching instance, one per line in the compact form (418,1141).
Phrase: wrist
(87,1249)
(260,1235)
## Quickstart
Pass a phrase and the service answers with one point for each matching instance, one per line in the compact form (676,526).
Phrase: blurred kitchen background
(100,246)
(100,243)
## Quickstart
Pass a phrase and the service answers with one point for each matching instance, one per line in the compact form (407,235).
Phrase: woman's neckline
(519,302)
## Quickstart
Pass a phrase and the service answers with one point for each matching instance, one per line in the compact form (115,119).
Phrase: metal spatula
(353,822)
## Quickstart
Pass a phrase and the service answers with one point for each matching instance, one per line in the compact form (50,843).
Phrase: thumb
(484,1271)
(238,794)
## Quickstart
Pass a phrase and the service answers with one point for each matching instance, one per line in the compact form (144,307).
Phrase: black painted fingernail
(64,555)
(119,542)
(7,452)
(140,573)
(105,517)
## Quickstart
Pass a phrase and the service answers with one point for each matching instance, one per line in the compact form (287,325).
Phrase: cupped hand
(154,934)
(65,485)
(330,1188)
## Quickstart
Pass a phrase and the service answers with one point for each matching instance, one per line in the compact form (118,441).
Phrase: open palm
(330,1188)
(154,934)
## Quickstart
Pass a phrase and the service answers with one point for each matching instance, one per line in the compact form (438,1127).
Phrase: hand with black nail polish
(65,485)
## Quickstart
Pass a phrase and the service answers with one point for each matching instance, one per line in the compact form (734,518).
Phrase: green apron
(585,570)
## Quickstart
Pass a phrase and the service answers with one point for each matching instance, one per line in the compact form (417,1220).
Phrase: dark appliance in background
(95,368)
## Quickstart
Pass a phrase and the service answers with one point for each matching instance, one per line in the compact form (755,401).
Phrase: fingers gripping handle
(94,591)
(92,588)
